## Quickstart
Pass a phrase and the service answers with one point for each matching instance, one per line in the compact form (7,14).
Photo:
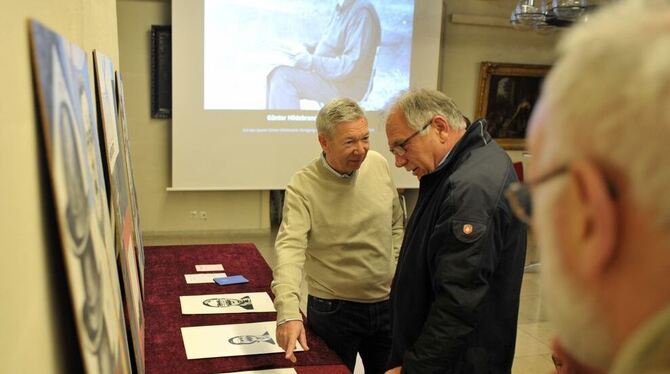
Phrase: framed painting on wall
(161,71)
(507,96)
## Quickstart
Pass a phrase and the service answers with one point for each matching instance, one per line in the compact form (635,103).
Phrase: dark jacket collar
(475,136)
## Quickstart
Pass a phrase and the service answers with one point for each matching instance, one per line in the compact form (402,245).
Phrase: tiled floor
(533,335)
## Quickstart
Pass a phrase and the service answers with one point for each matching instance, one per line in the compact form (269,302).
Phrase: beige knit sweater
(344,233)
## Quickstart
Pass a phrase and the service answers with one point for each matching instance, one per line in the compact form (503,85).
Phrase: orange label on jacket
(467,229)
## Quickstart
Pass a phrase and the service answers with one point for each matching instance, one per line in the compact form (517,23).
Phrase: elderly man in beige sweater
(342,227)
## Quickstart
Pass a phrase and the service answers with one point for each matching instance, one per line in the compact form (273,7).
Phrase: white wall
(35,318)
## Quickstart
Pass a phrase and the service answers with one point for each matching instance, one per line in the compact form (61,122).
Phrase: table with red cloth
(165,267)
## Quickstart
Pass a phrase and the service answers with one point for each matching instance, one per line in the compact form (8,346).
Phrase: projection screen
(231,132)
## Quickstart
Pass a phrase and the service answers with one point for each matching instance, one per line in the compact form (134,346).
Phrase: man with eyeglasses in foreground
(342,226)
(455,294)
(600,187)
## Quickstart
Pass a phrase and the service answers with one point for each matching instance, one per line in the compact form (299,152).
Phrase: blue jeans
(349,328)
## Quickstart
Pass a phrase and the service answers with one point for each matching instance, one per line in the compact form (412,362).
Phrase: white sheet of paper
(203,278)
(209,267)
(268,371)
(247,302)
(231,340)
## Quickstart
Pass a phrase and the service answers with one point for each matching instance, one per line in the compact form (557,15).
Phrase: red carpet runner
(164,281)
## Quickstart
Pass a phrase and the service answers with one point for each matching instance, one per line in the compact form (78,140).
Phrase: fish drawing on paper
(251,339)
(222,302)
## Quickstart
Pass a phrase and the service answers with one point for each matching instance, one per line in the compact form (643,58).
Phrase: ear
(599,216)
(442,126)
(323,141)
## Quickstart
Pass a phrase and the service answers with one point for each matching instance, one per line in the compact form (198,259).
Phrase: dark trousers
(349,328)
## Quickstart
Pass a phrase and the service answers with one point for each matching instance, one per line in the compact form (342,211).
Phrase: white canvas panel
(203,278)
(269,371)
(209,267)
(231,340)
(246,302)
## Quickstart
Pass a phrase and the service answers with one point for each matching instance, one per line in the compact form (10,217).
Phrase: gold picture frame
(507,95)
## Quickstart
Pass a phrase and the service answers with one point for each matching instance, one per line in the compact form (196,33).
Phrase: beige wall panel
(466,46)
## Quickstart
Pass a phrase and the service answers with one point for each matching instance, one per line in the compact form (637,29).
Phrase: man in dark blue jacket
(455,294)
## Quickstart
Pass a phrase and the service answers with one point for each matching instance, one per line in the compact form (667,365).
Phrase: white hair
(609,95)
(420,106)
(338,110)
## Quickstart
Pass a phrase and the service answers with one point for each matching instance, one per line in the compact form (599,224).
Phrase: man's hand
(302,60)
(395,370)
(287,335)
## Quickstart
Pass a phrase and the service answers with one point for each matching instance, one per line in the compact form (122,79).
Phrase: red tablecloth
(164,283)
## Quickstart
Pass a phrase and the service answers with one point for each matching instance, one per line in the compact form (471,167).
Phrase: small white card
(209,267)
(203,278)
(268,371)
(247,302)
(231,340)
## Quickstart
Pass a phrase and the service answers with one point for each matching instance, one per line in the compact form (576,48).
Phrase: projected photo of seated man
(340,64)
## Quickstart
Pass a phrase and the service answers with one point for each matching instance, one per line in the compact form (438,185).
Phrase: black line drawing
(251,339)
(222,302)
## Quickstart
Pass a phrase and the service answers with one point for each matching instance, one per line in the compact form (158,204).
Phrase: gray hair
(337,111)
(420,105)
(609,96)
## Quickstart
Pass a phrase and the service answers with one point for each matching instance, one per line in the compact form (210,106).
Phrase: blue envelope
(233,279)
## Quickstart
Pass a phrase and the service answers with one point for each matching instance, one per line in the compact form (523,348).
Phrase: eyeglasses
(399,149)
(518,194)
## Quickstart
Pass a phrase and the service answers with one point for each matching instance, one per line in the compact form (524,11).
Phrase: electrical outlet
(194,214)
(203,215)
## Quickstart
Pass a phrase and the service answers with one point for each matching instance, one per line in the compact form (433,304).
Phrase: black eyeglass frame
(399,149)
(518,193)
